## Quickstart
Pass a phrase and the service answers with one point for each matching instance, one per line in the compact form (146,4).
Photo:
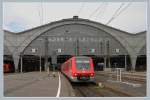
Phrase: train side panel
(66,68)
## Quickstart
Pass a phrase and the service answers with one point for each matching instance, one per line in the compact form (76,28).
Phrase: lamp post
(40,55)
(46,53)
(54,61)
(105,54)
(117,53)
(21,67)
(108,53)
(40,64)
(125,58)
(77,46)
(101,47)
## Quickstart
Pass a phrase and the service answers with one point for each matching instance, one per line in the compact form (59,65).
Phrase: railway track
(126,77)
(84,90)
(107,90)
(127,88)
(93,90)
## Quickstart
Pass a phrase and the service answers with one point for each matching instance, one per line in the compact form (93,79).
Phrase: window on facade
(57,39)
(70,39)
(53,39)
(83,39)
(61,38)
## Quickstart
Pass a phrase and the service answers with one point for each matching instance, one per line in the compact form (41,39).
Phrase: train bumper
(75,79)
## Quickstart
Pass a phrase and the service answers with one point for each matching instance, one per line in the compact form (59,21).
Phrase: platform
(36,84)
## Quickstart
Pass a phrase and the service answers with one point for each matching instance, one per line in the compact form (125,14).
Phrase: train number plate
(84,78)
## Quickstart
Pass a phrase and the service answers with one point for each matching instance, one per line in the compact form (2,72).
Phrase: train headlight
(74,74)
(92,74)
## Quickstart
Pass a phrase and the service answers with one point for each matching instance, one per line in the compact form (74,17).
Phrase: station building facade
(58,41)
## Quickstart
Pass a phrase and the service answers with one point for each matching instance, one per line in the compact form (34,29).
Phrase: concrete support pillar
(16,58)
(133,62)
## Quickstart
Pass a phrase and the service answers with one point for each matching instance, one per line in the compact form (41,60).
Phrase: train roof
(81,57)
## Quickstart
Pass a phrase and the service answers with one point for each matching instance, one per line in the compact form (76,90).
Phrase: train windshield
(83,63)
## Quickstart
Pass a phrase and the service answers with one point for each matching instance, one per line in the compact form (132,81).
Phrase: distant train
(79,69)
(7,68)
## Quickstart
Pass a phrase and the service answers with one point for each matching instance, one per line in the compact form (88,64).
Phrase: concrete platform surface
(36,84)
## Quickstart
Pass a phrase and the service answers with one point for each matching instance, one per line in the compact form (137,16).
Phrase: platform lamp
(108,52)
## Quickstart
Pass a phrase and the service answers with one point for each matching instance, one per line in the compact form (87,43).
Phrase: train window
(82,63)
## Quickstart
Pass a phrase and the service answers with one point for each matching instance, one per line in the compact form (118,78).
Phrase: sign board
(82,61)
(117,50)
(92,50)
(33,50)
(59,50)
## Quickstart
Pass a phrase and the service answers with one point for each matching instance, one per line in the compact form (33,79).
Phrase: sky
(129,17)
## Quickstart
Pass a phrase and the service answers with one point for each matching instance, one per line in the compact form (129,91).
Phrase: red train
(7,68)
(79,69)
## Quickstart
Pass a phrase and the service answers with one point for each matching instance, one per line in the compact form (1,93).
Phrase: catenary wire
(97,9)
(122,4)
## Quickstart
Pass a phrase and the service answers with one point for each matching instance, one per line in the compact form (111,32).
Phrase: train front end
(82,69)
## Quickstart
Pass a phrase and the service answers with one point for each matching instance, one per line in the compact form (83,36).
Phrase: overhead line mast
(40,12)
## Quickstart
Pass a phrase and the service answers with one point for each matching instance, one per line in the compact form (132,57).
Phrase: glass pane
(83,63)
